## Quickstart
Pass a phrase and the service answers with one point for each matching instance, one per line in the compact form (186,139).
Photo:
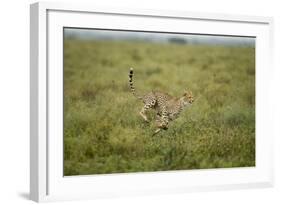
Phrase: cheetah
(167,107)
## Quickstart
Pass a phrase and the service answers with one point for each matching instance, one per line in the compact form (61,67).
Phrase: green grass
(103,132)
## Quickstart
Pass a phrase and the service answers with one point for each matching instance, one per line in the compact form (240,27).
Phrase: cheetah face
(188,98)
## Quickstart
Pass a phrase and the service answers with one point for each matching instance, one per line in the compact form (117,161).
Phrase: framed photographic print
(130,102)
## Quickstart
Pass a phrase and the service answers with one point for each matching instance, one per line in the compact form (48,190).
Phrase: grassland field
(103,132)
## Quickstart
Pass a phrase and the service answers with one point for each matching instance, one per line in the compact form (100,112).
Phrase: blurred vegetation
(103,132)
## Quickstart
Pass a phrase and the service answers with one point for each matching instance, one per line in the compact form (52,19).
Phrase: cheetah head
(188,98)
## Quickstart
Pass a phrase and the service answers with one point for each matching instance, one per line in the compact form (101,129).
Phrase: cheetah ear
(187,92)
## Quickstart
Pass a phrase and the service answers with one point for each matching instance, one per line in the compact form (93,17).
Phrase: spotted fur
(168,107)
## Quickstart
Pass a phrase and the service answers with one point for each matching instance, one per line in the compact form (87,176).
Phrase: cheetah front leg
(158,123)
(156,131)
(143,114)
(162,121)
(144,109)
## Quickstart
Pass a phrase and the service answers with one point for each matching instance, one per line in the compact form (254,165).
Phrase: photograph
(147,101)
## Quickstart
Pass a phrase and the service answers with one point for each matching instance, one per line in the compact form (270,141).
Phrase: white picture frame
(47,182)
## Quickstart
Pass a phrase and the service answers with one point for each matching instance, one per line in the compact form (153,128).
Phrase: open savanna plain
(104,133)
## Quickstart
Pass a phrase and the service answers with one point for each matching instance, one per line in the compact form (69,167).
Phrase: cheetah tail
(131,84)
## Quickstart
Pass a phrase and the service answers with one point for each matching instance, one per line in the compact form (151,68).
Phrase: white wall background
(14,101)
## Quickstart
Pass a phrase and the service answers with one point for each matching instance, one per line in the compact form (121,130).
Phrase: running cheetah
(167,107)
